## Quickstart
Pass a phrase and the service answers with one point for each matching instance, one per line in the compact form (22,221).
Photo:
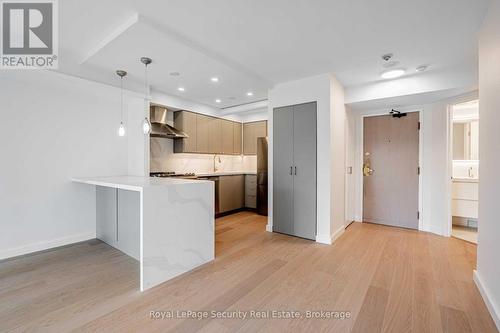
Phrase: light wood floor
(391,280)
(465,233)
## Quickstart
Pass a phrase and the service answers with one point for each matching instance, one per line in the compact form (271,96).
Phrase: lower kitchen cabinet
(251,191)
(231,192)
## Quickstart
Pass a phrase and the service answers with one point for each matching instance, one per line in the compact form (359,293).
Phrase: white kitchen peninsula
(166,224)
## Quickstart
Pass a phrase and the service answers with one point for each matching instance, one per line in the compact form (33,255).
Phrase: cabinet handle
(296,171)
(291,170)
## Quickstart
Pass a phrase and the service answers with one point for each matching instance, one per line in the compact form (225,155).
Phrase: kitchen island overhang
(165,224)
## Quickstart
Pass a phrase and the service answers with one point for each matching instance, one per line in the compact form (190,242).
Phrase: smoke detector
(387,57)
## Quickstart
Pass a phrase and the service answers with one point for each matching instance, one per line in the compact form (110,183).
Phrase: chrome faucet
(215,167)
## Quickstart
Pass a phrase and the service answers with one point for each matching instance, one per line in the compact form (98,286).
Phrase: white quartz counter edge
(134,183)
(226,173)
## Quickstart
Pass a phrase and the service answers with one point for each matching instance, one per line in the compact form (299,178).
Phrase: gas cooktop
(172,175)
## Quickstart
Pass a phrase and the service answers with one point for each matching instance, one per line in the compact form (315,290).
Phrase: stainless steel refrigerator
(262,176)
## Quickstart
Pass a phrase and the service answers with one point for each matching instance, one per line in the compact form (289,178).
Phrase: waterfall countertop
(166,224)
(134,183)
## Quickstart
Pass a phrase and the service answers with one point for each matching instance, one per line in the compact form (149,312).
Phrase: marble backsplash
(162,158)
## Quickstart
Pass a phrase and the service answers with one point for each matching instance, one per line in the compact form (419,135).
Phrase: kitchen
(201,167)
(232,154)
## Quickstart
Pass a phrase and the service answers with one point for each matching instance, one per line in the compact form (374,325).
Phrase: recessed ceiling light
(217,100)
(249,93)
(214,79)
(421,68)
(392,74)
(175,73)
(181,89)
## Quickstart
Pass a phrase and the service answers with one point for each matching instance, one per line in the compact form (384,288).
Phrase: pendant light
(146,124)
(121,129)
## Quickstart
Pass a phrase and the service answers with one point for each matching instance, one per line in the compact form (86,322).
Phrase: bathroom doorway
(465,170)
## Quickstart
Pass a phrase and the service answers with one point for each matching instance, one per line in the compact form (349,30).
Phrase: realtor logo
(29,34)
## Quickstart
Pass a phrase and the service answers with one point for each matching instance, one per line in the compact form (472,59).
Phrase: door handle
(291,170)
(367,171)
(295,171)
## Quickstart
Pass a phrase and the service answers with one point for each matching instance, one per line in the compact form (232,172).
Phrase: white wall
(338,125)
(54,127)
(488,268)
(323,89)
(435,162)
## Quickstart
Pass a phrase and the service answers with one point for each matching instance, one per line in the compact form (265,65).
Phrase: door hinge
(418,170)
(418,215)
(418,126)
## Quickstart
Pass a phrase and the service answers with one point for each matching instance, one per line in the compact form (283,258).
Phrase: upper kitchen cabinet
(227,137)
(237,138)
(207,134)
(202,134)
(186,122)
(215,135)
(252,131)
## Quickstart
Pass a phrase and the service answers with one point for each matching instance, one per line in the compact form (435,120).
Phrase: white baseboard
(338,233)
(269,227)
(45,245)
(434,230)
(492,307)
(324,239)
(330,239)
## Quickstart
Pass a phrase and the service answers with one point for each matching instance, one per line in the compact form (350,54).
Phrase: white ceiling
(251,45)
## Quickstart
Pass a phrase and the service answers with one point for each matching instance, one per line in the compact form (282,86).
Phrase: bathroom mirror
(466,140)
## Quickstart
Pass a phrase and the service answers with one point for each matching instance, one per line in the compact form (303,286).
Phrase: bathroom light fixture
(146,124)
(121,129)
(217,100)
(214,79)
(181,89)
(249,93)
(392,74)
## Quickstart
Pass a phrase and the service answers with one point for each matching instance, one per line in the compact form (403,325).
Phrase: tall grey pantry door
(283,169)
(294,147)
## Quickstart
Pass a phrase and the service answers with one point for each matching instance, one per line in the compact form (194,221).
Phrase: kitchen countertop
(134,183)
(168,225)
(226,173)
(465,180)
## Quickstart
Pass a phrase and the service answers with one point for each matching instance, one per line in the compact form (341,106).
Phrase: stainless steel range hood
(159,126)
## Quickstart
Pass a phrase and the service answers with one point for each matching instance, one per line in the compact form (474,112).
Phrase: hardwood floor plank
(425,308)
(398,316)
(454,321)
(371,315)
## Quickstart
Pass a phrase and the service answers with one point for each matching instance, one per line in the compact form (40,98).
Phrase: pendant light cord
(146,81)
(121,99)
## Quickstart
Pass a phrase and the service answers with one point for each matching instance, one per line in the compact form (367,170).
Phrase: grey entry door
(294,170)
(304,173)
(390,170)
(283,170)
